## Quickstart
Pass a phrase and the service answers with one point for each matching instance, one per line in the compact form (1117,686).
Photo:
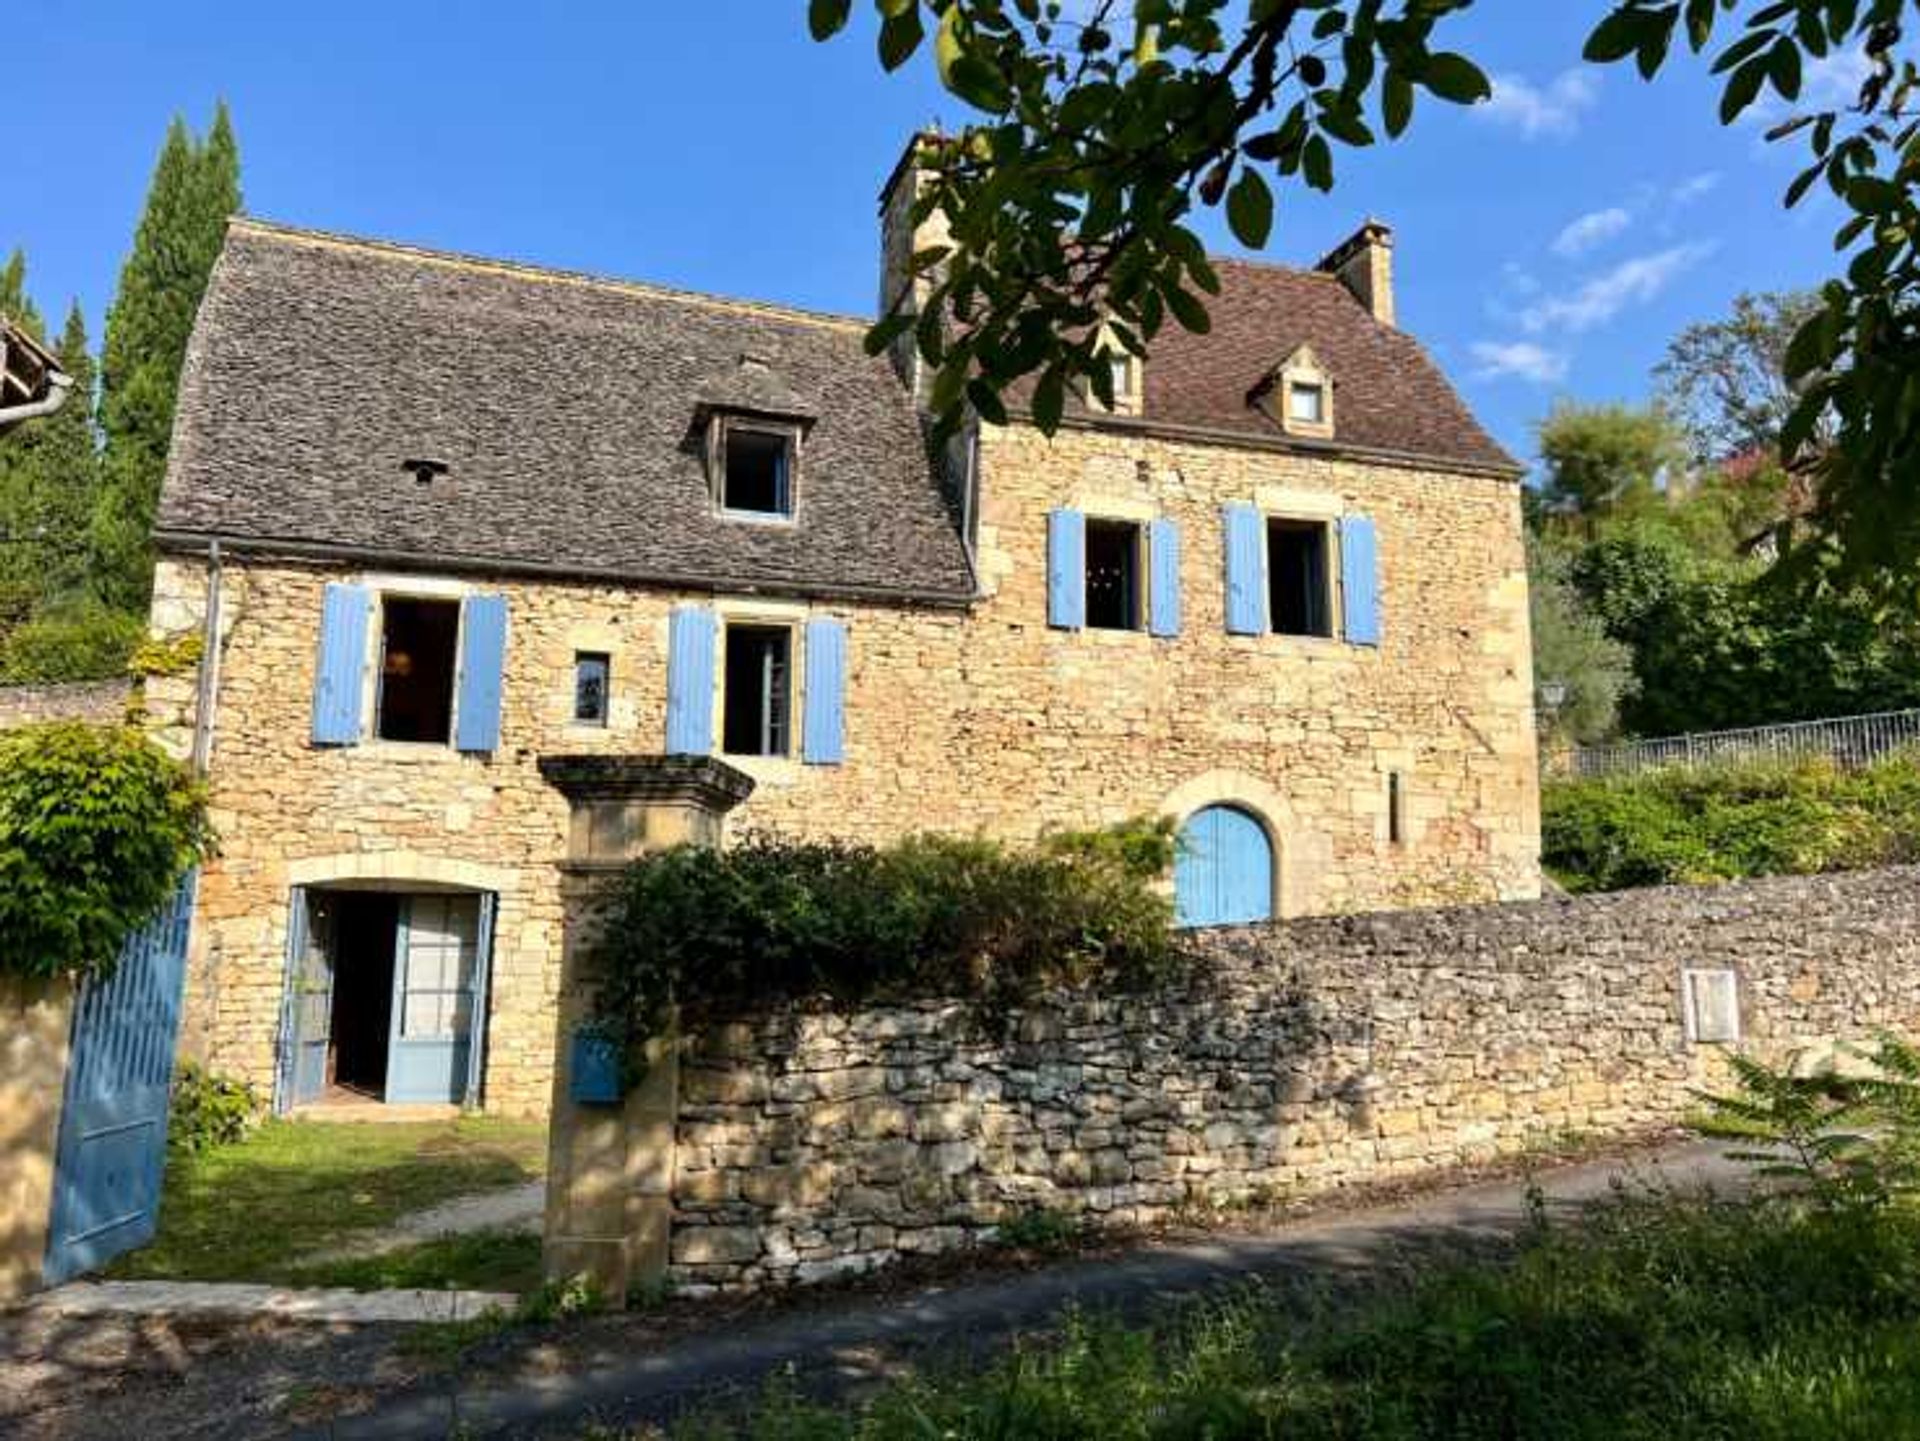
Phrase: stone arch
(403,867)
(1298,853)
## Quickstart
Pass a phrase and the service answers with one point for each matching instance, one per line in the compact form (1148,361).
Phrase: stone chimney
(1364,264)
(900,238)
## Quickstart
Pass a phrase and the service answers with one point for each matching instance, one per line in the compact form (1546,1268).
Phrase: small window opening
(1396,808)
(1307,402)
(419,640)
(758,476)
(1297,591)
(1126,376)
(591,671)
(757,704)
(1113,575)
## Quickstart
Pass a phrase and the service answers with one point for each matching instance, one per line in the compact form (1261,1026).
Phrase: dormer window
(1307,402)
(1298,393)
(754,464)
(1123,370)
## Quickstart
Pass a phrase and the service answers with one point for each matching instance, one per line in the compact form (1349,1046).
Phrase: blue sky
(1549,242)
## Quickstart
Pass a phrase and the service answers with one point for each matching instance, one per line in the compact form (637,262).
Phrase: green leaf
(986,400)
(1615,38)
(1187,309)
(900,36)
(1350,129)
(888,330)
(1396,103)
(1783,68)
(1316,162)
(827,18)
(1456,78)
(1250,209)
(1742,90)
(1049,399)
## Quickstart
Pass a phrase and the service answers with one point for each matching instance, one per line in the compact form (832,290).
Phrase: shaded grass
(480,1261)
(1662,1319)
(254,1211)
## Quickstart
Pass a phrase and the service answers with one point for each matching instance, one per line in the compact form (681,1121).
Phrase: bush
(209,1111)
(97,826)
(1729,822)
(720,932)
(85,643)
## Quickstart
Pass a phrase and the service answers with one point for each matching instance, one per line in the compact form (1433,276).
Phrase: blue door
(1223,874)
(439,986)
(113,1119)
(306,1025)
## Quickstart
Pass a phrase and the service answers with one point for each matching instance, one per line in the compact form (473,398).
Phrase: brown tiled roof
(565,410)
(1389,395)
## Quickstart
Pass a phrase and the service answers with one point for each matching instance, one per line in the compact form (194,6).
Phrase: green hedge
(1728,822)
(97,826)
(722,932)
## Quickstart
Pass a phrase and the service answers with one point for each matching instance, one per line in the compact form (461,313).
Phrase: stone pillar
(610,1167)
(35,1019)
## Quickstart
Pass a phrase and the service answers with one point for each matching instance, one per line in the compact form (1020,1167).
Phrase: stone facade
(1315,1054)
(974,719)
(35,1024)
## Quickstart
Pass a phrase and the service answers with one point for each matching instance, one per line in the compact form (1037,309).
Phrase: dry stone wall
(1309,1055)
(103,702)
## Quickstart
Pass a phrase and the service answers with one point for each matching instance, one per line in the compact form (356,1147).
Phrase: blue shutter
(339,676)
(1246,571)
(1066,569)
(1163,595)
(483,659)
(823,726)
(1360,580)
(690,682)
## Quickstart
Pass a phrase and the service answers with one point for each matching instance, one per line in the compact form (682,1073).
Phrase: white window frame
(722,425)
(404,587)
(1329,526)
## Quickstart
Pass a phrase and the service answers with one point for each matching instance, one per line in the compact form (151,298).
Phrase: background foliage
(768,920)
(97,827)
(1727,822)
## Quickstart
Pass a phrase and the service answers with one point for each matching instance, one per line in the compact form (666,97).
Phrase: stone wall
(1319,1053)
(104,702)
(960,720)
(35,1019)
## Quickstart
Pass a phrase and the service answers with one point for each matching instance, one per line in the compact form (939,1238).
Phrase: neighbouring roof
(565,409)
(1389,393)
(27,367)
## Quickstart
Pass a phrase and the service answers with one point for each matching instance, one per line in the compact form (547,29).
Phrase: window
(1396,808)
(756,470)
(1307,402)
(1126,377)
(590,675)
(1299,600)
(419,641)
(1113,575)
(757,701)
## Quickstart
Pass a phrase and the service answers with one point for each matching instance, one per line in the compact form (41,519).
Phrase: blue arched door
(1223,875)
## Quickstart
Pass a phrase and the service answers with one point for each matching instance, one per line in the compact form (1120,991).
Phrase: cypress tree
(15,303)
(196,186)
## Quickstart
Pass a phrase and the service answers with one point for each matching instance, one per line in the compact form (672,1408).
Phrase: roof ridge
(546,274)
(1275,267)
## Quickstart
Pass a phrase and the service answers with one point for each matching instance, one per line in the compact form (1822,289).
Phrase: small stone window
(1299,577)
(1123,369)
(757,702)
(1298,393)
(592,671)
(1307,402)
(1113,575)
(1396,808)
(756,468)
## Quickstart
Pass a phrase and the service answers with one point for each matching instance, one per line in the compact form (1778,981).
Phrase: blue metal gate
(113,1122)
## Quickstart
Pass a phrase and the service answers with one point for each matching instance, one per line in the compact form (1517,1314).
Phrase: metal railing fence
(1846,740)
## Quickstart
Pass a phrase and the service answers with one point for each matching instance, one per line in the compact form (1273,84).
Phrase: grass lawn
(1662,1321)
(255,1211)
(481,1261)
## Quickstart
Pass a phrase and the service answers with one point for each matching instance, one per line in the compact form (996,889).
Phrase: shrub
(1728,822)
(209,1111)
(97,826)
(85,643)
(719,932)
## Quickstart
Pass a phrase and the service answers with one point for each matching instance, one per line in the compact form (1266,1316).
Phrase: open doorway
(386,998)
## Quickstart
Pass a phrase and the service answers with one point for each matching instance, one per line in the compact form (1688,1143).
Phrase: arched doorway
(1223,875)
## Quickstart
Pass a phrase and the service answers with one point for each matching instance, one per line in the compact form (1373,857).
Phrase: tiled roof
(565,409)
(1388,393)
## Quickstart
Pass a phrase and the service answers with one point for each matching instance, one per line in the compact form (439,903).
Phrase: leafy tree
(196,186)
(1726,380)
(15,303)
(1602,459)
(1571,648)
(1111,122)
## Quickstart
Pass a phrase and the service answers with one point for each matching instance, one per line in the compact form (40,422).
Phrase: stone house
(449,518)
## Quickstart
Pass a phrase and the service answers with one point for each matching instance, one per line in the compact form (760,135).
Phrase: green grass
(255,1211)
(1663,1321)
(480,1261)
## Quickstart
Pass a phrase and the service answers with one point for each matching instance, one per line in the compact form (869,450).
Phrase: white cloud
(1535,110)
(1590,231)
(1599,299)
(1521,358)
(1697,187)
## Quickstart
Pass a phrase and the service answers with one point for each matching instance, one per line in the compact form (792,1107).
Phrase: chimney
(1364,264)
(900,238)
